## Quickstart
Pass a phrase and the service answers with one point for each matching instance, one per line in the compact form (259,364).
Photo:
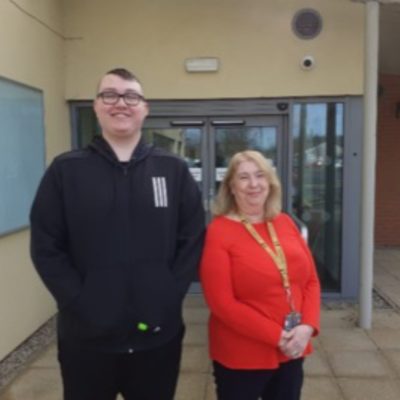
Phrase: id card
(291,320)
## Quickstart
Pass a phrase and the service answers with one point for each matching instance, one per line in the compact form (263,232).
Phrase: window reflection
(87,126)
(184,142)
(318,181)
(230,140)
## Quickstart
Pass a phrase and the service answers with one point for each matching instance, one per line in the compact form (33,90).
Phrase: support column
(369,161)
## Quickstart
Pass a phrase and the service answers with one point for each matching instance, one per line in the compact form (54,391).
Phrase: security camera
(307,63)
(282,106)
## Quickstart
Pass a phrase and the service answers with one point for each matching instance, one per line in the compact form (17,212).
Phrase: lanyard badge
(292,320)
(294,317)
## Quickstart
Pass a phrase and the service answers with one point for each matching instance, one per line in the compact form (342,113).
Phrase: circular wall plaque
(307,23)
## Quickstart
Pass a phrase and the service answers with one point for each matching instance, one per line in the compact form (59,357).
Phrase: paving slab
(316,344)
(359,364)
(392,293)
(390,266)
(36,384)
(195,315)
(339,318)
(386,338)
(317,365)
(395,271)
(196,334)
(191,386)
(321,388)
(195,359)
(210,389)
(386,255)
(386,318)
(195,300)
(337,339)
(385,282)
(393,357)
(370,389)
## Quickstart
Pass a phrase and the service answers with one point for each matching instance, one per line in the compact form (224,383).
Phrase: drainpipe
(369,161)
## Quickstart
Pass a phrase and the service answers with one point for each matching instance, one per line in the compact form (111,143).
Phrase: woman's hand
(294,342)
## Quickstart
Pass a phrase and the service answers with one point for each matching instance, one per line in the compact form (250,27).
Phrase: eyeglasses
(130,98)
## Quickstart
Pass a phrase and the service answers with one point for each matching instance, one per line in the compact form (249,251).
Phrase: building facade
(283,77)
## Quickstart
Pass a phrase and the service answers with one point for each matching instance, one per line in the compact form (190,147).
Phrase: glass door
(228,137)
(185,138)
(317,198)
(207,144)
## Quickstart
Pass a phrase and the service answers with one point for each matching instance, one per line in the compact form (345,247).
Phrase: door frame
(350,262)
(276,110)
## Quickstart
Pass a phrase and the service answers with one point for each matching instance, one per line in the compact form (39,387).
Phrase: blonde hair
(225,201)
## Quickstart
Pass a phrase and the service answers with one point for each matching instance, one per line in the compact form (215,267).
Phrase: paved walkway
(349,363)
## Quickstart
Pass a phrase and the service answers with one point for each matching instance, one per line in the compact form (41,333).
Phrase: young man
(116,236)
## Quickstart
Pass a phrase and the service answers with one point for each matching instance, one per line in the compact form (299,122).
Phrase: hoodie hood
(102,147)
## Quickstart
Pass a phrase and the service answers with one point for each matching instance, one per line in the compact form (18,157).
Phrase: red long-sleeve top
(244,291)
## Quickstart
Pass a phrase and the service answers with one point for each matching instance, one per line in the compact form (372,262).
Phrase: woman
(261,319)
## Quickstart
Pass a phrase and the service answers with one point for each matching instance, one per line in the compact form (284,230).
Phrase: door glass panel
(318,183)
(184,142)
(230,140)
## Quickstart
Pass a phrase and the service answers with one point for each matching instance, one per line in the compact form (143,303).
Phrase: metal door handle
(228,122)
(187,123)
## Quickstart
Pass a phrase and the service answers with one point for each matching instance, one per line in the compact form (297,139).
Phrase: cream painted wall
(253,39)
(259,57)
(32,53)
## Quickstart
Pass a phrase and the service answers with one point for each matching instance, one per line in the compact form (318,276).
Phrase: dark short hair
(123,73)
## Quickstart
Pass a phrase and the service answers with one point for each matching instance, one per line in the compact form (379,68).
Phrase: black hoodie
(117,244)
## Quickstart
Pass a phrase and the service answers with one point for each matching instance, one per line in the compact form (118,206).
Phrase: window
(22,152)
(318,149)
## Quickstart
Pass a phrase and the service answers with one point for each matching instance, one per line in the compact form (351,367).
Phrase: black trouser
(283,383)
(142,375)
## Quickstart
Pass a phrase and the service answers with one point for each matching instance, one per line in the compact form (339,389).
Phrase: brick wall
(387,206)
